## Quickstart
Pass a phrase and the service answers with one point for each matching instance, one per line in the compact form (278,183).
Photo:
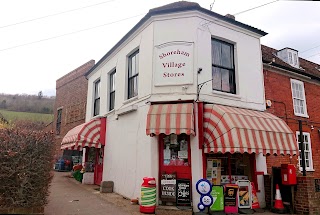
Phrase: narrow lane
(68,197)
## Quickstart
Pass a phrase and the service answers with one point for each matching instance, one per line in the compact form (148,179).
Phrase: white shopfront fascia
(173,64)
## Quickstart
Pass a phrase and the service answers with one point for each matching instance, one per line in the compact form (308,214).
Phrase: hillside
(27,103)
(12,116)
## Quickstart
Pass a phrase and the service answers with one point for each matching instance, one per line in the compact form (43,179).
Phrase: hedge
(26,155)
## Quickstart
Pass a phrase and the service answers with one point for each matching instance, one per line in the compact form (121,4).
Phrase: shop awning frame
(89,134)
(232,129)
(170,119)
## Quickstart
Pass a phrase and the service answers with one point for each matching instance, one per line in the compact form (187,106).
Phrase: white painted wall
(261,166)
(130,154)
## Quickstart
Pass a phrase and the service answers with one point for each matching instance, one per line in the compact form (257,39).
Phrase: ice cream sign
(173,64)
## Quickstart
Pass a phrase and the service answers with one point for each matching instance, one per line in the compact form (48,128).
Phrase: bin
(148,196)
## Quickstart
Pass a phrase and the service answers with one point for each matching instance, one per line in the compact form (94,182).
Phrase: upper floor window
(223,73)
(307,151)
(112,89)
(96,103)
(298,97)
(59,119)
(133,74)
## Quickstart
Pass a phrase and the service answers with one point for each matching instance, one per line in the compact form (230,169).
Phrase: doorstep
(173,210)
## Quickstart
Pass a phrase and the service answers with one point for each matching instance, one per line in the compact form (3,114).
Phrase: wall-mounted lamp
(312,127)
(199,70)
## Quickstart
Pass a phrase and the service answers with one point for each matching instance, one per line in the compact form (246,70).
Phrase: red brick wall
(307,200)
(71,96)
(278,89)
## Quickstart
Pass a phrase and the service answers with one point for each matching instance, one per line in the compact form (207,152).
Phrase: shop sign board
(230,198)
(317,184)
(174,64)
(168,187)
(218,198)
(245,194)
(183,192)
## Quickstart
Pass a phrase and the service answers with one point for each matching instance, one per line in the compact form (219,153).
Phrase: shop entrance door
(175,155)
(98,167)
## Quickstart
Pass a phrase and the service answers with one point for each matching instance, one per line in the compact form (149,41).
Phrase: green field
(12,116)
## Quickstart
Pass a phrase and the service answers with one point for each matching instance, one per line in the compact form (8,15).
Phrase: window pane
(133,87)
(226,57)
(216,52)
(216,78)
(112,100)
(307,163)
(225,80)
(97,90)
(137,63)
(96,107)
(135,91)
(290,57)
(112,81)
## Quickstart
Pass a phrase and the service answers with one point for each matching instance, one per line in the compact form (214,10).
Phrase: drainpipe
(200,136)
(302,149)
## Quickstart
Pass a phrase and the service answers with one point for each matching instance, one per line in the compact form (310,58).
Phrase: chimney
(230,16)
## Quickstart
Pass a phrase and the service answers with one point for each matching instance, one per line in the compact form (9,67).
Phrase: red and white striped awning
(89,134)
(170,119)
(231,129)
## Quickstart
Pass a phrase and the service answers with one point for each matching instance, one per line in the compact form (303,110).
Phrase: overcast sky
(65,34)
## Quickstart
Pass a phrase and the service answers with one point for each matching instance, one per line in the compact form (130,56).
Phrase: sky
(40,41)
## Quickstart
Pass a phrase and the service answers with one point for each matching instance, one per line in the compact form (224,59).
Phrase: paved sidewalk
(70,197)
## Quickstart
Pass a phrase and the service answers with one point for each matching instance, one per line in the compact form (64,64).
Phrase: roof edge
(154,12)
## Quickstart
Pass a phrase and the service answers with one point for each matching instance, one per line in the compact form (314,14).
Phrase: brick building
(70,104)
(292,84)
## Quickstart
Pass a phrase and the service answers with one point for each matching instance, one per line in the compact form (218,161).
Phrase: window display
(219,167)
(175,151)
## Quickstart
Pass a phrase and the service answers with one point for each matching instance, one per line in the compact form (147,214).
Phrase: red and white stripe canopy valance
(89,134)
(231,129)
(170,119)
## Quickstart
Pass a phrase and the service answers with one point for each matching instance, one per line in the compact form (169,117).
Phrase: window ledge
(130,100)
(302,115)
(307,170)
(109,112)
(224,95)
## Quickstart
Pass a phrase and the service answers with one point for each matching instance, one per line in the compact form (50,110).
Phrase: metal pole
(301,140)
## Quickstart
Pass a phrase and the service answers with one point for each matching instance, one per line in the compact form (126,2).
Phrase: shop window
(133,74)
(307,151)
(220,165)
(175,151)
(59,118)
(223,72)
(112,89)
(299,99)
(89,164)
(96,104)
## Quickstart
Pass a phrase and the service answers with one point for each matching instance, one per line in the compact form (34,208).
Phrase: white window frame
(310,168)
(135,76)
(230,68)
(96,97)
(112,91)
(304,98)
